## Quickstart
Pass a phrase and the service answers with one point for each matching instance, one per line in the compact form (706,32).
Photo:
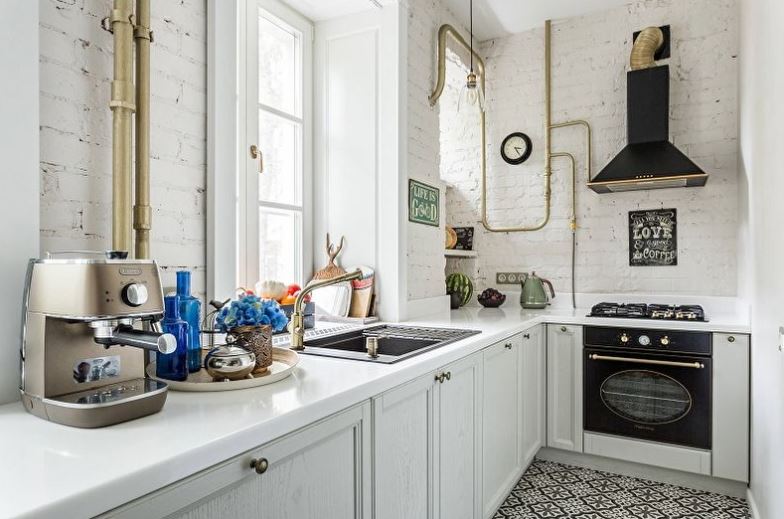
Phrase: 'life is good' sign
(423,203)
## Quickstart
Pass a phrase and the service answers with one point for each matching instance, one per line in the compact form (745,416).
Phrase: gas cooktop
(646,311)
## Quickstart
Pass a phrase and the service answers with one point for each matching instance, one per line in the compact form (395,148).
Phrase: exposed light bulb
(471,94)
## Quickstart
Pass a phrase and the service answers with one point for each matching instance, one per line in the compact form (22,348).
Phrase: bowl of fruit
(491,298)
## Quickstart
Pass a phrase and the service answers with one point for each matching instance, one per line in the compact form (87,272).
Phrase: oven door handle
(695,365)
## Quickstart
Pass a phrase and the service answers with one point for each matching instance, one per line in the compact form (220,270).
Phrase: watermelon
(461,284)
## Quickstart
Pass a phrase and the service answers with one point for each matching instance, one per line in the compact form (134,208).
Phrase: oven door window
(646,397)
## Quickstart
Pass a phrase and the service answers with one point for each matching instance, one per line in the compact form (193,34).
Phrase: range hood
(649,160)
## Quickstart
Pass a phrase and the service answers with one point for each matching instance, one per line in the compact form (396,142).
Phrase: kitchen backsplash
(590,58)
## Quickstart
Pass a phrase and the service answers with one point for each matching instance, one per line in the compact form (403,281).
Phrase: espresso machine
(87,324)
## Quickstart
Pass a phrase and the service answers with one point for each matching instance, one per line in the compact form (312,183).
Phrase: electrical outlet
(509,278)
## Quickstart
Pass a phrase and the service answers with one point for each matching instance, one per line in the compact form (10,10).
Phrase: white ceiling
(495,18)
(318,10)
(492,18)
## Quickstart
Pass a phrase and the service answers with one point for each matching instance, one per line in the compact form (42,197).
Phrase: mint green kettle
(533,294)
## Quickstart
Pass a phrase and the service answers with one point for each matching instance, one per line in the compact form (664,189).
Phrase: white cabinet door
(320,472)
(730,406)
(501,421)
(403,450)
(533,392)
(565,387)
(458,439)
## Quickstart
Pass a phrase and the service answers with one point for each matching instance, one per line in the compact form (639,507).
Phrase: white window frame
(248,202)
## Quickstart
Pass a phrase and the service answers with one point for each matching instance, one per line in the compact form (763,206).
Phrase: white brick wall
(76,65)
(590,56)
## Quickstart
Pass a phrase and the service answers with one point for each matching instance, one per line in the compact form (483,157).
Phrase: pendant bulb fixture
(471,94)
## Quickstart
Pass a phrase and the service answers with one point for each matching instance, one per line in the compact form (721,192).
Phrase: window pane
(280,245)
(281,143)
(279,65)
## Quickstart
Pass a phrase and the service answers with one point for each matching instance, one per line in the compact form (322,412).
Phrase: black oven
(649,384)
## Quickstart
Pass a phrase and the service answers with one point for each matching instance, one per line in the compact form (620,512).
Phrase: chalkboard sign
(653,238)
(465,238)
(423,203)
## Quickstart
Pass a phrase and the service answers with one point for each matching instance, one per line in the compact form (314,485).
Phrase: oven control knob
(624,338)
(134,294)
(644,340)
(665,341)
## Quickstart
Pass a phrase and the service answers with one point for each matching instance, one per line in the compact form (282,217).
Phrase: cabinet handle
(526,335)
(731,338)
(260,465)
(508,345)
(448,375)
(563,328)
(440,377)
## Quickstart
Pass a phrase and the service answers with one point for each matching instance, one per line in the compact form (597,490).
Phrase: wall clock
(516,148)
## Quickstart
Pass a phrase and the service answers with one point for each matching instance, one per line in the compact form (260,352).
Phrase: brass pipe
(588,141)
(122,106)
(142,213)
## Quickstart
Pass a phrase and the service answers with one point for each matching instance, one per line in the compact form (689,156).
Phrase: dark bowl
(492,303)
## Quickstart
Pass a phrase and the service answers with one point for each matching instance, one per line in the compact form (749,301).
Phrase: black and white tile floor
(555,491)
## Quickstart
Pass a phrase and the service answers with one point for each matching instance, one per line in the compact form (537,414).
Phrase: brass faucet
(297,325)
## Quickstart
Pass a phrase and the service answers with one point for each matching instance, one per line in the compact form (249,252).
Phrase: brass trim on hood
(646,181)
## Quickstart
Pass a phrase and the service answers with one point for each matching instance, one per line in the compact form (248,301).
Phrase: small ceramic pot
(455,300)
(255,339)
(229,362)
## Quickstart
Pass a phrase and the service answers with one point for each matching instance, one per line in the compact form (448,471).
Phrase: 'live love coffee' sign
(653,238)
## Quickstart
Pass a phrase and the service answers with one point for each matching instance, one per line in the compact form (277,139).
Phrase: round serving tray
(284,361)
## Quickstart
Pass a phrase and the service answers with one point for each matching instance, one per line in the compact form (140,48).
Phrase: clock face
(516,148)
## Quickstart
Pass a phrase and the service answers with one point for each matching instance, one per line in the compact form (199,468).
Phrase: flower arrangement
(251,310)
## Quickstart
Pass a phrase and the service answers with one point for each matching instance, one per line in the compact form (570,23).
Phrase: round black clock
(516,148)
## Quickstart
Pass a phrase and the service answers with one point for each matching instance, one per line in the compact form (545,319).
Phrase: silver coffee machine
(87,323)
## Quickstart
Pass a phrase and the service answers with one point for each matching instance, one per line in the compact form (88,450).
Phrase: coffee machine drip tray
(105,405)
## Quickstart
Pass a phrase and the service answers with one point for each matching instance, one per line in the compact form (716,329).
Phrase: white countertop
(49,469)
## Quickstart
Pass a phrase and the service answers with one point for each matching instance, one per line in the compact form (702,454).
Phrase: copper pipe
(142,213)
(122,106)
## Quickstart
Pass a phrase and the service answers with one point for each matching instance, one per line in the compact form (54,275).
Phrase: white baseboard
(638,470)
(752,505)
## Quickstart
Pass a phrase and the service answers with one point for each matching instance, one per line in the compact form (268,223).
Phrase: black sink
(395,342)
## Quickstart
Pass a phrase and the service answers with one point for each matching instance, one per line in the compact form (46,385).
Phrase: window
(273,194)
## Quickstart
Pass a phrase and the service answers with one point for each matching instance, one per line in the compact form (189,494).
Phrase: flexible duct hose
(645,46)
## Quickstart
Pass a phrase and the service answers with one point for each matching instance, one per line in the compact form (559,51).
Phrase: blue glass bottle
(190,312)
(174,366)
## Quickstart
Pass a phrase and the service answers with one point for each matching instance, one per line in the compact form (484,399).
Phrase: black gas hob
(646,311)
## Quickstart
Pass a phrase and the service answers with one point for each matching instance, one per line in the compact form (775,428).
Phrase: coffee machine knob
(134,294)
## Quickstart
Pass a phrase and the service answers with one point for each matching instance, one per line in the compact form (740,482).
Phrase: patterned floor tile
(550,490)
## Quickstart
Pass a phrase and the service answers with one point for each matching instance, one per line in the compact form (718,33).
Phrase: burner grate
(646,311)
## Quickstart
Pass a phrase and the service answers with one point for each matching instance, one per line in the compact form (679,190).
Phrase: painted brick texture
(76,65)
(590,59)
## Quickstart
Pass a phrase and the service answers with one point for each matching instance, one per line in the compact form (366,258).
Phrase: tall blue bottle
(190,312)
(174,366)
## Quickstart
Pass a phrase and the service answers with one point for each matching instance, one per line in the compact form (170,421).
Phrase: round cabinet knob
(260,465)
(624,338)
(665,341)
(134,294)
(731,338)
(644,340)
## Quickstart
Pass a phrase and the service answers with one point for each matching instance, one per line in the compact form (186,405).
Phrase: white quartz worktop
(50,470)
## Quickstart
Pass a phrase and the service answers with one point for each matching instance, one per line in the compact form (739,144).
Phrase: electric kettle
(533,294)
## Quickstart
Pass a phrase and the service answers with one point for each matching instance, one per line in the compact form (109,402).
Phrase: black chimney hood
(650,160)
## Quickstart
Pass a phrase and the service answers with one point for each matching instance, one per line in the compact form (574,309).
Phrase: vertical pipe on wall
(142,213)
(122,105)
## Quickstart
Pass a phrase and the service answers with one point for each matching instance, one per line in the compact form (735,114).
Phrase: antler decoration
(332,270)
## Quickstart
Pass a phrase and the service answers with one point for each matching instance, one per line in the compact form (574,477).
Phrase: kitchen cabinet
(404,450)
(564,387)
(458,426)
(533,391)
(502,420)
(320,472)
(426,445)
(730,427)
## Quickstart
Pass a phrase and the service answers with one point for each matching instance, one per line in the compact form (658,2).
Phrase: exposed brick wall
(76,67)
(590,56)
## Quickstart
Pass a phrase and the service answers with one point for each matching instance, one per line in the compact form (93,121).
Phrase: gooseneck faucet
(297,325)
